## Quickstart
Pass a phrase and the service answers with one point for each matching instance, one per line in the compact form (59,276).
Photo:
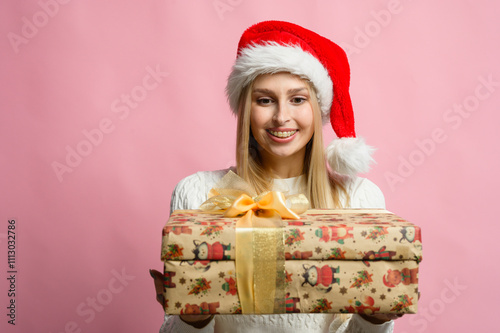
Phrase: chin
(283,153)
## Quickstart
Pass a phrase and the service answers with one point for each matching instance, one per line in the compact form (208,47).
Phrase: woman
(286,82)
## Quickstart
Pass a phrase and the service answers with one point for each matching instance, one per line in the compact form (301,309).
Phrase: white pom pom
(349,156)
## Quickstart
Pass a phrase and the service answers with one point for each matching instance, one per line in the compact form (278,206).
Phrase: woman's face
(281,118)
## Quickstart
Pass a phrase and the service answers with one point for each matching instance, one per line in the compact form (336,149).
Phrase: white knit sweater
(192,191)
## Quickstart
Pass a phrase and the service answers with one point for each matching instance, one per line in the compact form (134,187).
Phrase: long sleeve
(175,324)
(363,194)
(356,324)
(190,193)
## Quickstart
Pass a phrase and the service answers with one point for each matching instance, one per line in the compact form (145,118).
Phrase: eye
(298,100)
(264,101)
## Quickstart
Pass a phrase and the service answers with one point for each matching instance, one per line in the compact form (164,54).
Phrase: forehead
(277,80)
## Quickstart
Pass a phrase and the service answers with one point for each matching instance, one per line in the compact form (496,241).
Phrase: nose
(282,113)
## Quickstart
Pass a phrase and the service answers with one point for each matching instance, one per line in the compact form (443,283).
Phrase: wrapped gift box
(339,261)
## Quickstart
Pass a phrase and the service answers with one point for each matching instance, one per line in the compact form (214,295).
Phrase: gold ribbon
(260,252)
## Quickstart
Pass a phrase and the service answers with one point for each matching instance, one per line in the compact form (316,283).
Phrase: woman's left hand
(381,318)
(378,319)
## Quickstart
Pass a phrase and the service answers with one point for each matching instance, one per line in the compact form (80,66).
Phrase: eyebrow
(268,91)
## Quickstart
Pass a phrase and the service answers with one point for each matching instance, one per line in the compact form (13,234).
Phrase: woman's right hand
(158,280)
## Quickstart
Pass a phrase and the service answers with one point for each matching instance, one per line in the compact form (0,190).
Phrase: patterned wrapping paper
(339,261)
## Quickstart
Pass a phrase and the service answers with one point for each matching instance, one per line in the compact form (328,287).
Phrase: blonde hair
(323,189)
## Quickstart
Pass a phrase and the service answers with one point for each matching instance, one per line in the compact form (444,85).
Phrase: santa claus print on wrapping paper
(236,309)
(381,254)
(212,230)
(199,265)
(410,234)
(167,279)
(291,304)
(406,276)
(377,232)
(215,251)
(200,285)
(363,279)
(402,304)
(177,230)
(230,286)
(298,222)
(336,254)
(294,237)
(288,278)
(321,277)
(338,233)
(321,305)
(173,251)
(367,306)
(300,255)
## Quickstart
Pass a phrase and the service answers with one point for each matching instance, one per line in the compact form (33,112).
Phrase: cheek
(306,121)
(258,119)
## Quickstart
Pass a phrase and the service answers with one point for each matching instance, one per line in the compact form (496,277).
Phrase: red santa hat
(273,46)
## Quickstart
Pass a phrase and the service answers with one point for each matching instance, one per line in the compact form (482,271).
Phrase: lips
(282,135)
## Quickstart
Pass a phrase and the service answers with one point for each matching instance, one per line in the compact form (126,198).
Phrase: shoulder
(192,191)
(363,193)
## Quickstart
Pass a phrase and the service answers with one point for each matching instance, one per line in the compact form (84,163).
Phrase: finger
(194,318)
(385,317)
(158,281)
(380,318)
(394,316)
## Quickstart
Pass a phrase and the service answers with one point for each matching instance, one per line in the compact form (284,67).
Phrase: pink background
(63,74)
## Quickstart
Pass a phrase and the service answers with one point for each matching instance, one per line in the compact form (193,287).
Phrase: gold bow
(260,252)
(231,187)
(267,204)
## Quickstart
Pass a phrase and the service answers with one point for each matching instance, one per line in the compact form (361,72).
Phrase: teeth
(283,134)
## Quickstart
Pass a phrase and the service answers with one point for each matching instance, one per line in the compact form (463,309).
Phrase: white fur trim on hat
(349,156)
(271,58)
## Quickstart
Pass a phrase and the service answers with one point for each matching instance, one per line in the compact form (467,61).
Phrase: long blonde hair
(323,189)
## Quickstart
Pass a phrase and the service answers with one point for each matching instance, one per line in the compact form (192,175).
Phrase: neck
(284,167)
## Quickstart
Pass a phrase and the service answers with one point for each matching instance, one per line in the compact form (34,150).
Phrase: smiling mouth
(280,134)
